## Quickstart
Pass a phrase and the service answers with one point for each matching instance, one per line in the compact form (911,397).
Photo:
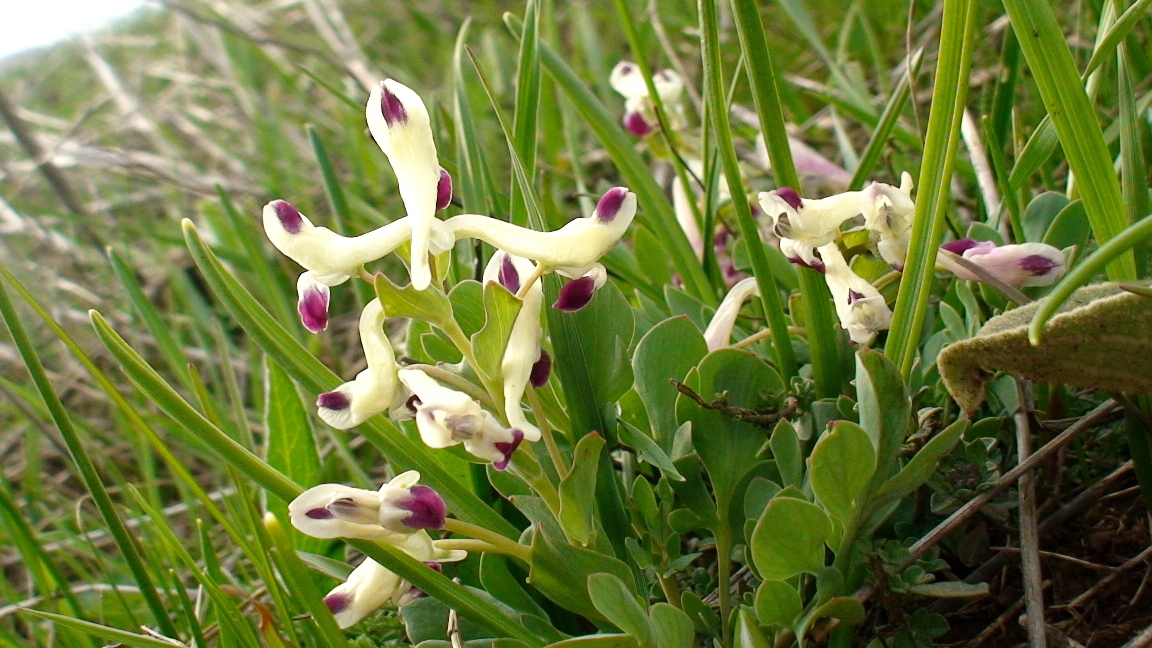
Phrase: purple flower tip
(426,507)
(313,309)
(790,196)
(337,602)
(443,190)
(320,514)
(960,246)
(610,203)
(391,107)
(575,294)
(507,449)
(636,124)
(509,277)
(816,264)
(290,218)
(541,369)
(333,400)
(1038,265)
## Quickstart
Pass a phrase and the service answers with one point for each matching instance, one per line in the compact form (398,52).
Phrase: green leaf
(789,538)
(489,343)
(500,583)
(1070,227)
(845,608)
(727,446)
(598,641)
(885,411)
(561,571)
(290,448)
(577,511)
(746,633)
(1041,213)
(920,468)
(430,305)
(787,453)
(619,605)
(1054,70)
(103,632)
(778,603)
(842,465)
(672,627)
(666,352)
(951,589)
(646,450)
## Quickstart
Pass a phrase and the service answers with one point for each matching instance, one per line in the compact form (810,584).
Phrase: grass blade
(717,103)
(125,543)
(957,40)
(1075,122)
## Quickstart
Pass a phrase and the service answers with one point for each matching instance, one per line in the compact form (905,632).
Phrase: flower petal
(312,304)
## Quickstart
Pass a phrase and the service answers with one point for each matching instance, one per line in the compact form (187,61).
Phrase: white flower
(375,389)
(809,223)
(859,306)
(329,258)
(368,587)
(446,417)
(371,585)
(719,330)
(639,111)
(401,507)
(571,250)
(888,211)
(1019,265)
(399,122)
(523,350)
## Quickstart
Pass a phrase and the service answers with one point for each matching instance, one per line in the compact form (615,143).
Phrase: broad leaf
(789,538)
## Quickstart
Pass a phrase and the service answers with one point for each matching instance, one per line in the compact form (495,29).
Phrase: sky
(25,24)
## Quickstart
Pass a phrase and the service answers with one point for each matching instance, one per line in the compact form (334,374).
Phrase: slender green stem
(478,546)
(562,467)
(502,544)
(718,110)
(957,41)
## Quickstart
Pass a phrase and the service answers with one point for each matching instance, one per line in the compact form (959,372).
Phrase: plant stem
(562,467)
(478,533)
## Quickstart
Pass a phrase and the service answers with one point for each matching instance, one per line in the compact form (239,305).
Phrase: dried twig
(739,413)
(1107,581)
(1082,501)
(1029,535)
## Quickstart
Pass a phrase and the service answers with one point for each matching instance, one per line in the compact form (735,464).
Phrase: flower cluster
(399,514)
(808,230)
(400,124)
